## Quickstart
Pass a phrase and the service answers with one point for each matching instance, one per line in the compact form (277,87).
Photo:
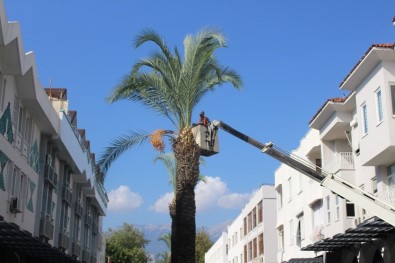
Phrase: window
(291,232)
(245,225)
(337,207)
(280,238)
(21,120)
(300,182)
(350,209)
(393,99)
(245,253)
(317,213)
(289,189)
(260,212)
(279,197)
(250,251)
(249,218)
(328,209)
(253,218)
(254,248)
(364,119)
(300,230)
(391,175)
(379,106)
(374,185)
(260,244)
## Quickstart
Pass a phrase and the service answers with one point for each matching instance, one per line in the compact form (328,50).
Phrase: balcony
(64,239)
(46,226)
(99,243)
(388,196)
(95,227)
(76,249)
(340,161)
(67,194)
(86,256)
(342,165)
(88,220)
(50,176)
(78,207)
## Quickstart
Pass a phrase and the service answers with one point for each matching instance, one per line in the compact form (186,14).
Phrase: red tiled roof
(390,45)
(336,100)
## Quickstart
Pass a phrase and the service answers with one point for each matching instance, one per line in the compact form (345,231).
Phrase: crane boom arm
(328,180)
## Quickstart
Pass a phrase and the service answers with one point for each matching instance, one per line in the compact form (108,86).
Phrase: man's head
(202,114)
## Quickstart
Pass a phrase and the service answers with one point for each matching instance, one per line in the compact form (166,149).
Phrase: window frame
(390,175)
(392,90)
(337,206)
(328,210)
(364,116)
(378,94)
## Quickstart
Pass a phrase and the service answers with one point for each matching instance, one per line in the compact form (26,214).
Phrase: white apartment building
(51,208)
(252,236)
(218,252)
(353,138)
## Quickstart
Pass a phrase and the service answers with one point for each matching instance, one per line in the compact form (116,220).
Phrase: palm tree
(169,161)
(166,256)
(173,86)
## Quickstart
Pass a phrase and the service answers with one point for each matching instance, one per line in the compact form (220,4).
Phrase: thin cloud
(212,194)
(162,204)
(123,199)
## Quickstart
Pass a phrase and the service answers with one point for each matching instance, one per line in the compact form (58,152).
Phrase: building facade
(252,236)
(51,208)
(354,139)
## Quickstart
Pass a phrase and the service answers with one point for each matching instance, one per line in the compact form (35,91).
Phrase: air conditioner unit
(15,206)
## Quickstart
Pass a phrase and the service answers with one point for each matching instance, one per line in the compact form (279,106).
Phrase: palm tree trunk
(183,211)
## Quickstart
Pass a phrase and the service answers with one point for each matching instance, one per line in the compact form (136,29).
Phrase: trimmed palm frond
(119,146)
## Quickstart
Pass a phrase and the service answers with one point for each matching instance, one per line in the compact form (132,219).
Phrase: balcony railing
(78,207)
(95,226)
(67,194)
(340,161)
(388,196)
(76,249)
(88,220)
(85,256)
(46,226)
(64,240)
(50,176)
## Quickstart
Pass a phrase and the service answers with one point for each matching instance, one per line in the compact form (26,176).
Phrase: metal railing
(46,226)
(64,240)
(50,175)
(387,196)
(341,160)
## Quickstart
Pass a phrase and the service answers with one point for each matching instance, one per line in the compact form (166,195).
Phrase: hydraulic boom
(328,180)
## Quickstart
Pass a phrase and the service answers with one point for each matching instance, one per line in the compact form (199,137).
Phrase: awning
(373,228)
(22,241)
(306,260)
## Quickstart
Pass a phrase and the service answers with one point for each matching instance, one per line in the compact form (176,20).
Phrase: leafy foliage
(203,244)
(126,245)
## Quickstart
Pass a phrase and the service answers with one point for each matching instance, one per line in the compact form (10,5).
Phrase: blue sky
(291,55)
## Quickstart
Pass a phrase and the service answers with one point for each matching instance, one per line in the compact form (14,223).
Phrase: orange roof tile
(390,45)
(336,100)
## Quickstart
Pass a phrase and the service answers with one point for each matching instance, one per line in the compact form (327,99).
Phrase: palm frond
(169,161)
(118,147)
(166,238)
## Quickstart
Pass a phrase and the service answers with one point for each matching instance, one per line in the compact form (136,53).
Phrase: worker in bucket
(203,119)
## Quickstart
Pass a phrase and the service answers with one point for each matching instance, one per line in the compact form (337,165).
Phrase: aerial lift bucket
(206,136)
